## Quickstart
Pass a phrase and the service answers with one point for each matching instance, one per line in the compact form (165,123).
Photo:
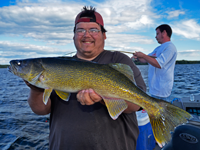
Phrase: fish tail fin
(165,120)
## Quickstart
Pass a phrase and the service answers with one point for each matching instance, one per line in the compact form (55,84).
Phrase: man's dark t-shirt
(80,127)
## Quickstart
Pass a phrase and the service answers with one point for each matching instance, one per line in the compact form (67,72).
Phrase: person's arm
(35,100)
(131,107)
(145,58)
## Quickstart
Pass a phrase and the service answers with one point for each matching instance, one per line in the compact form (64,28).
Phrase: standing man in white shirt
(161,65)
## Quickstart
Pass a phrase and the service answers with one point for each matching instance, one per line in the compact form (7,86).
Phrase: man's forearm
(152,61)
(35,101)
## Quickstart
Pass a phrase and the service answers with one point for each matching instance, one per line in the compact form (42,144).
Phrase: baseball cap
(98,18)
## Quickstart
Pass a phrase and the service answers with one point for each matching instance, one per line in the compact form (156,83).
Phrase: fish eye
(18,63)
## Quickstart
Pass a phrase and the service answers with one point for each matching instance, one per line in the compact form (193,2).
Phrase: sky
(44,28)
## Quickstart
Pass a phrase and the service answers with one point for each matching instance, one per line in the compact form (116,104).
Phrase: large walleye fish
(114,82)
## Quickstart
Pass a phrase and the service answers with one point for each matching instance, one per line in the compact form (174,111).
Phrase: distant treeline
(138,63)
(177,62)
(4,66)
(187,62)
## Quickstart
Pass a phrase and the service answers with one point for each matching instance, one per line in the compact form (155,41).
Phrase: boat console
(191,106)
(187,136)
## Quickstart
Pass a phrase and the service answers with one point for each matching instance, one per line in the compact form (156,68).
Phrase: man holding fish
(83,122)
(82,94)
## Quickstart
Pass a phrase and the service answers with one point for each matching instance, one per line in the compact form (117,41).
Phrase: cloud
(131,14)
(175,13)
(188,28)
(141,22)
(51,22)
(188,54)
(115,40)
(125,42)
(191,51)
(26,50)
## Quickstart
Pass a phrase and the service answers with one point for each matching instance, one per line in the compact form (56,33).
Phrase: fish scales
(80,78)
(113,82)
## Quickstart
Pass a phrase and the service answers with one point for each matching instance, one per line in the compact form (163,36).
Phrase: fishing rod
(113,51)
(129,52)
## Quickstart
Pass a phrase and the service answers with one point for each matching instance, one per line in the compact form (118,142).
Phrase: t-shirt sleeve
(168,53)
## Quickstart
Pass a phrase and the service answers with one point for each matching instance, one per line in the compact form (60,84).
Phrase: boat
(186,136)
(190,104)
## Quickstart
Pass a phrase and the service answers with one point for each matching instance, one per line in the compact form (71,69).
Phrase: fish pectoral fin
(115,106)
(124,69)
(63,95)
(46,95)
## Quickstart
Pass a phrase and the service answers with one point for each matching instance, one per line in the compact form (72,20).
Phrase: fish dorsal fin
(115,106)
(46,95)
(63,95)
(125,69)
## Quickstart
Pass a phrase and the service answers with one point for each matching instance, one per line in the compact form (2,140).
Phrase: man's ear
(104,34)
(164,33)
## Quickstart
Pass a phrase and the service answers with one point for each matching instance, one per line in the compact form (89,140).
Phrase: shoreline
(4,66)
(177,62)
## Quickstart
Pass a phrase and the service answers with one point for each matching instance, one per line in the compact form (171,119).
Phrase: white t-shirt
(160,81)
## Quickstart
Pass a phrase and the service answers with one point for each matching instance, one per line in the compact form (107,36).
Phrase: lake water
(20,128)
(186,80)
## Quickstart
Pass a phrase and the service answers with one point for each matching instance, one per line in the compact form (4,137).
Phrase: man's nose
(86,33)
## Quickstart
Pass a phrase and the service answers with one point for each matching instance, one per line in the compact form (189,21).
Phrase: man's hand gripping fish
(113,82)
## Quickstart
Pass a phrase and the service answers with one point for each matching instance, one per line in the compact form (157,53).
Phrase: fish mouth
(11,69)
